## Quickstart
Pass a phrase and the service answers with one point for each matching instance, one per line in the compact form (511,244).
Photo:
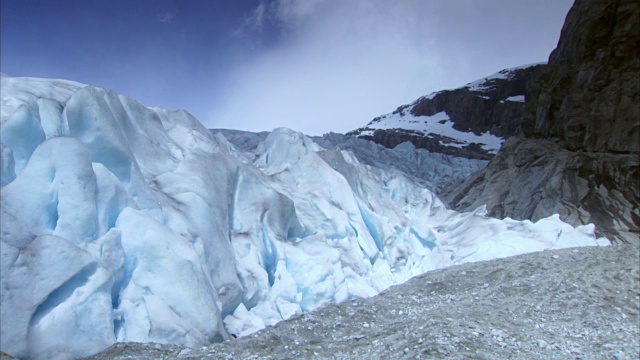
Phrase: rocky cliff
(580,153)
(589,97)
(492,105)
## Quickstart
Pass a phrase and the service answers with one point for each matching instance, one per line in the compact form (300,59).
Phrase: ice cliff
(127,223)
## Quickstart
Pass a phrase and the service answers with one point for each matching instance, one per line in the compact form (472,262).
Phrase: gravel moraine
(580,303)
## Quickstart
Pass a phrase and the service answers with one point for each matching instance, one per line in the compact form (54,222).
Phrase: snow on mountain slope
(127,223)
(439,125)
(489,82)
(471,121)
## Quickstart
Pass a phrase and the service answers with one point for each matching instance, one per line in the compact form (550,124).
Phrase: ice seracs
(127,223)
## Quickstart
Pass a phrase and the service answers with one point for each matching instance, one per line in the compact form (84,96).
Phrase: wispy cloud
(255,21)
(283,13)
(293,12)
(338,64)
(166,17)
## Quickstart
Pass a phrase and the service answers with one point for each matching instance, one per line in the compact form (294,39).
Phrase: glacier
(122,222)
(435,171)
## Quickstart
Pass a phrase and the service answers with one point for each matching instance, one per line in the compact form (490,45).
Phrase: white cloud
(338,64)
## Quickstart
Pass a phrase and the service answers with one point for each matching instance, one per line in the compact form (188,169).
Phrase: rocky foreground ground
(581,303)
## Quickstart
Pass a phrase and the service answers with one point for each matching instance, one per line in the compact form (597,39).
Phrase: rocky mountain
(579,156)
(471,121)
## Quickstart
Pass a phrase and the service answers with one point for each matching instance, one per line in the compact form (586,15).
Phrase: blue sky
(311,65)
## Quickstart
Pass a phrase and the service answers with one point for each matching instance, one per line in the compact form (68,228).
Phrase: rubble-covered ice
(127,223)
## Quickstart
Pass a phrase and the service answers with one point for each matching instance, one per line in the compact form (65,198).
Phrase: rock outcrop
(580,153)
(590,94)
(492,105)
(534,178)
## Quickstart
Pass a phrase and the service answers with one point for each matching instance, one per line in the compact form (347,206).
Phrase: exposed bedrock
(581,124)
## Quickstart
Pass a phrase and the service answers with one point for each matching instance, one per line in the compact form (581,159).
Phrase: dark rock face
(483,108)
(486,105)
(590,94)
(535,178)
(581,153)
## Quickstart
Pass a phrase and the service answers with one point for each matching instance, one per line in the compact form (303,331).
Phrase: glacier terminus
(127,223)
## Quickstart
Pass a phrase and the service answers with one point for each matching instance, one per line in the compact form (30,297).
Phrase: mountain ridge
(469,121)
